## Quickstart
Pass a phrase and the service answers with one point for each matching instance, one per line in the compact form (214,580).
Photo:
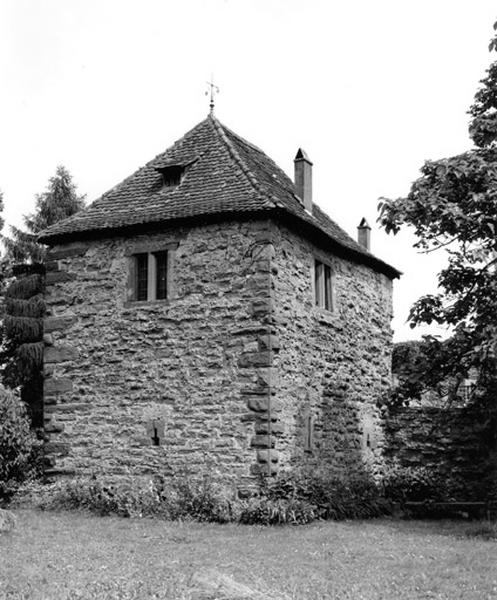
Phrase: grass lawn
(71,555)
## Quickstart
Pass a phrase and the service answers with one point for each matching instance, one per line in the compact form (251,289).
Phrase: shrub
(195,498)
(277,511)
(92,495)
(333,497)
(483,529)
(294,498)
(422,484)
(20,451)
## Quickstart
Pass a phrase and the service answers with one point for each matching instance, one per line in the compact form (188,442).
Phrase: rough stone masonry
(232,364)
(205,316)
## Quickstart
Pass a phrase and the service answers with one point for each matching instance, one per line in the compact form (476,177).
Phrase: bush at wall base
(20,451)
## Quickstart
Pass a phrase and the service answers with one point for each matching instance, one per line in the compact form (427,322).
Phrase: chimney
(303,178)
(364,234)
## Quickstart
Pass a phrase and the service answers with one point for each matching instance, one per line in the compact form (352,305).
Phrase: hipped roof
(225,176)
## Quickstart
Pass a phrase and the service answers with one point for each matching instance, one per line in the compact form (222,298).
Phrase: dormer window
(171,175)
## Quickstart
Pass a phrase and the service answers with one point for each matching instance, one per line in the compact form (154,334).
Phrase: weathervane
(213,90)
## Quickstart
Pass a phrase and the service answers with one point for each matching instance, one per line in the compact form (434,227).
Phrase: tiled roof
(223,174)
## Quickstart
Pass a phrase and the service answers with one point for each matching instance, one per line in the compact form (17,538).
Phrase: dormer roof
(224,176)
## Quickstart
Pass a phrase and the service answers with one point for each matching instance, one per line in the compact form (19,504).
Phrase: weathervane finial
(213,89)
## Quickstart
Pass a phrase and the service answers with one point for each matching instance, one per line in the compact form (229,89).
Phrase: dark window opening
(150,276)
(161,275)
(155,431)
(171,176)
(141,276)
(308,433)
(323,285)
(156,438)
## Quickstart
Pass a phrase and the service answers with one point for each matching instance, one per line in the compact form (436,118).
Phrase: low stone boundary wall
(452,441)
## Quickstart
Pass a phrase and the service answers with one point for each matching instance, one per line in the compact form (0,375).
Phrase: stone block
(49,400)
(255,359)
(261,307)
(51,265)
(47,339)
(59,472)
(267,377)
(265,235)
(264,456)
(254,330)
(264,416)
(248,417)
(262,427)
(262,441)
(67,251)
(57,354)
(53,277)
(52,427)
(269,342)
(57,385)
(70,407)
(263,265)
(269,469)
(258,403)
(58,323)
(59,448)
(254,390)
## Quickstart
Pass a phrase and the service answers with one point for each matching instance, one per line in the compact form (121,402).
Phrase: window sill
(327,317)
(146,303)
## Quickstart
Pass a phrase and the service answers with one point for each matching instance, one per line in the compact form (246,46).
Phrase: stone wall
(239,366)
(452,441)
(197,362)
(332,367)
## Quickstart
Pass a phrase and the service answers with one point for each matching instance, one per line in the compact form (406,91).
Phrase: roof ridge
(219,128)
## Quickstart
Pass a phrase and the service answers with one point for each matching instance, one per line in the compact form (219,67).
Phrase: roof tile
(223,174)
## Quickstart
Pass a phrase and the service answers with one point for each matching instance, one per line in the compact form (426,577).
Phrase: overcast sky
(369,89)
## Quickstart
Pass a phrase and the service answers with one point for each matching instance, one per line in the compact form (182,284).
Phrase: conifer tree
(58,201)
(21,353)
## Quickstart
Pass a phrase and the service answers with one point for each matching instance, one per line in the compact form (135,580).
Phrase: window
(149,277)
(155,431)
(308,433)
(323,285)
(141,276)
(465,390)
(171,175)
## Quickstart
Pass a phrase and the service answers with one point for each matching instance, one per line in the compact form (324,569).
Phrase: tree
(453,206)
(21,354)
(1,210)
(57,202)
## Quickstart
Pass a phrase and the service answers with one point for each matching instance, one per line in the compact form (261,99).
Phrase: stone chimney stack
(303,178)
(364,234)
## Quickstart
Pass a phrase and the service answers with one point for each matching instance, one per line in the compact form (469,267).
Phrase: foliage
(485,530)
(453,206)
(430,364)
(1,210)
(20,451)
(197,499)
(332,497)
(277,511)
(422,484)
(290,498)
(58,201)
(21,354)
